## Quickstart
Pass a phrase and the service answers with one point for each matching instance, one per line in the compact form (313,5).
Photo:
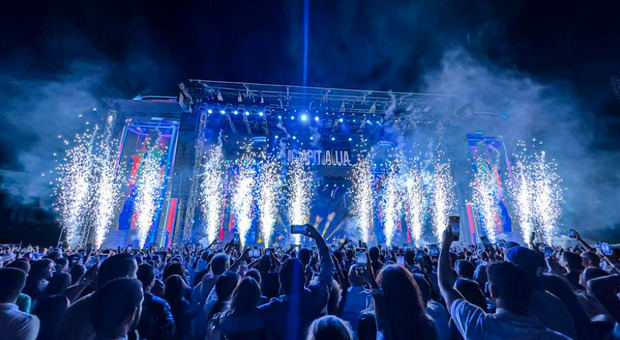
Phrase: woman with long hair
(243,319)
(399,308)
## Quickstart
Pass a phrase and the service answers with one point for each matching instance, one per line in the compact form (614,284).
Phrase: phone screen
(400,259)
(548,251)
(571,234)
(361,257)
(433,250)
(605,248)
(455,226)
(268,252)
(419,255)
(298,229)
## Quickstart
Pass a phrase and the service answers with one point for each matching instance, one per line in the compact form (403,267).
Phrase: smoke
(547,112)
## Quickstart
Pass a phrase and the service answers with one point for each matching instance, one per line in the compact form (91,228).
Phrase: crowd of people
(346,291)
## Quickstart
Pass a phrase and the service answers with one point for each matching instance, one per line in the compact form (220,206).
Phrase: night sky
(94,49)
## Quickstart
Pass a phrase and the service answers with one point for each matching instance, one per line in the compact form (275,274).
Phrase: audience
(220,292)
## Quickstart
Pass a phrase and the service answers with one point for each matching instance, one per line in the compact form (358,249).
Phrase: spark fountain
(107,189)
(243,199)
(73,188)
(147,198)
(391,205)
(442,197)
(300,195)
(414,201)
(363,201)
(268,201)
(538,193)
(484,195)
(211,191)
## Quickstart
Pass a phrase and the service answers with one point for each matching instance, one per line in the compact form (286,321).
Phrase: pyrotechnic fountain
(414,201)
(243,199)
(212,191)
(484,195)
(269,182)
(442,197)
(148,196)
(300,195)
(364,200)
(391,204)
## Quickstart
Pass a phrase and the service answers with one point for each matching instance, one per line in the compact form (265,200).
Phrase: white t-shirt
(473,323)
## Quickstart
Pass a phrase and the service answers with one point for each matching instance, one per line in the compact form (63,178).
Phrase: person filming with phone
(291,313)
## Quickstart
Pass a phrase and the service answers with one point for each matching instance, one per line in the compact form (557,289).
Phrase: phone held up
(455,226)
(299,229)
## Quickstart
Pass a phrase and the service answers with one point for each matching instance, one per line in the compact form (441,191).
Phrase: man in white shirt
(509,287)
(14,324)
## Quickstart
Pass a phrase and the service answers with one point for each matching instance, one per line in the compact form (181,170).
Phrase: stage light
(316,118)
(292,117)
(368,122)
(333,139)
(261,113)
(294,137)
(341,120)
(311,137)
(350,139)
(247,113)
(304,117)
(277,136)
(279,117)
(209,111)
(223,112)
(236,112)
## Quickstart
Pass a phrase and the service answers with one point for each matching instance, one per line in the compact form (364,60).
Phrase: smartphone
(571,233)
(268,252)
(433,250)
(419,255)
(362,260)
(298,229)
(605,248)
(236,238)
(548,251)
(455,226)
(400,259)
(333,248)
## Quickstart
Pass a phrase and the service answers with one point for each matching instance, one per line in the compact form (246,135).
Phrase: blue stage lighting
(368,122)
(277,137)
(223,112)
(292,117)
(341,120)
(294,137)
(333,139)
(316,118)
(304,117)
(279,117)
(261,113)
(350,139)
(236,112)
(209,111)
(311,137)
(247,113)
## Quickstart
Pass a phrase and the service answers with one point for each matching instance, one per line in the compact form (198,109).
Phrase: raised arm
(326,266)
(444,272)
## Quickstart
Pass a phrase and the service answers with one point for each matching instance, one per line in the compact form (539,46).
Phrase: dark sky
(123,48)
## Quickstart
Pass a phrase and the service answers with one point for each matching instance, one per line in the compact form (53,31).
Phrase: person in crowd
(572,264)
(176,289)
(113,318)
(464,269)
(269,284)
(375,261)
(15,324)
(511,294)
(242,320)
(59,282)
(435,310)
(40,272)
(356,299)
(77,271)
(219,299)
(329,327)
(24,302)
(548,308)
(399,310)
(49,310)
(605,289)
(288,315)
(157,322)
(76,323)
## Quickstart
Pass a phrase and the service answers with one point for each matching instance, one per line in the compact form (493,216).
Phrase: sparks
(268,202)
(243,200)
(485,196)
(300,195)
(415,200)
(363,200)
(391,206)
(443,197)
(211,191)
(147,199)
